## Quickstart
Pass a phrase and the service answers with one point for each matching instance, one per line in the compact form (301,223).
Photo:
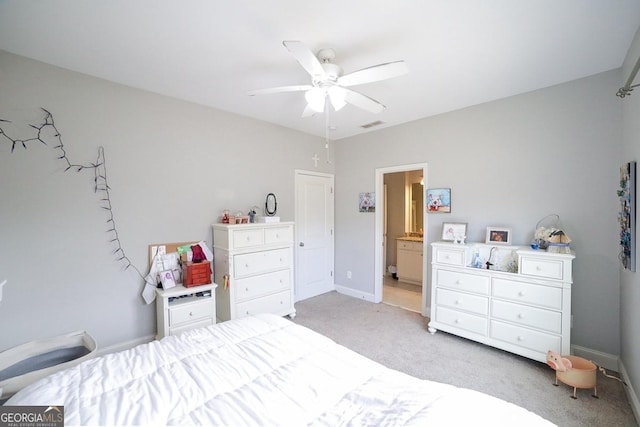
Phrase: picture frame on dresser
(498,236)
(451,230)
(167,279)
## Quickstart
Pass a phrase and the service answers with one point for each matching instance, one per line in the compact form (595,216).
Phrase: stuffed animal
(573,371)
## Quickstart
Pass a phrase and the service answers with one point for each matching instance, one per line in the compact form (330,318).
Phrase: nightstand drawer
(527,293)
(247,238)
(189,326)
(261,262)
(523,337)
(528,316)
(262,284)
(190,312)
(463,281)
(549,269)
(461,301)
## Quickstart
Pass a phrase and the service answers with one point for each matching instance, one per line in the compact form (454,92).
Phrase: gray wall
(630,283)
(508,163)
(172,167)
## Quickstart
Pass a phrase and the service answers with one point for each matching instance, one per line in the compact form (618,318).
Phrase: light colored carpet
(399,339)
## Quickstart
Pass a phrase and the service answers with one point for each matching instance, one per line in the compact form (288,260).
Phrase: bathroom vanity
(521,304)
(410,259)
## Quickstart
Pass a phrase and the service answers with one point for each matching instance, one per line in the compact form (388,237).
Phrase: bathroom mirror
(417,207)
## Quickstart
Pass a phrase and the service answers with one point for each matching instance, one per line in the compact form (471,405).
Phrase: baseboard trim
(631,393)
(125,345)
(606,360)
(355,293)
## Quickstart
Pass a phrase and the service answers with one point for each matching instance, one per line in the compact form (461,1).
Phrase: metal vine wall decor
(99,168)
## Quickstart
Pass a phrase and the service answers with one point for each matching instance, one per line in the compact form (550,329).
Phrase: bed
(260,370)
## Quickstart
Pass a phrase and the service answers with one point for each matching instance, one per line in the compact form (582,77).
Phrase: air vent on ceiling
(372,124)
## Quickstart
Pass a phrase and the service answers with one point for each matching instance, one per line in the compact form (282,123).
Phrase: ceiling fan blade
(363,101)
(297,88)
(305,57)
(374,73)
(308,111)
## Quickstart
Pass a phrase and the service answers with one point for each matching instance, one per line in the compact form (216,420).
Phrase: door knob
(301,243)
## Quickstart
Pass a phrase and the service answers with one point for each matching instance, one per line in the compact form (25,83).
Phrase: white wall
(508,163)
(172,167)
(630,282)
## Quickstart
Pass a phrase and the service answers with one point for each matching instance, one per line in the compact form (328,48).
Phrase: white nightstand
(180,309)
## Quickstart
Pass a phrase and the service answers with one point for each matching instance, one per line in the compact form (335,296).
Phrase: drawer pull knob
(520,338)
(520,294)
(520,316)
(457,302)
(458,321)
(538,268)
(458,282)
(191,313)
(246,289)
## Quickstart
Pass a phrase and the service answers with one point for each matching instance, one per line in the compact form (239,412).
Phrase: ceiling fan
(328,82)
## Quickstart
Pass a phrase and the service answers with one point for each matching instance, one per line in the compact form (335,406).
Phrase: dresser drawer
(461,301)
(458,319)
(538,267)
(527,338)
(261,262)
(528,316)
(278,235)
(462,281)
(267,304)
(190,312)
(247,238)
(527,293)
(449,256)
(255,286)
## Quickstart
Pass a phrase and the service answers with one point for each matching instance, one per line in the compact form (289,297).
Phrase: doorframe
(379,268)
(296,254)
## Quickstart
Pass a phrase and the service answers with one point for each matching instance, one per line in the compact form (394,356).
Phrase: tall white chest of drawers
(523,307)
(257,259)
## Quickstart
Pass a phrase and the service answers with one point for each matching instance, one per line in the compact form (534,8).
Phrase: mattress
(263,370)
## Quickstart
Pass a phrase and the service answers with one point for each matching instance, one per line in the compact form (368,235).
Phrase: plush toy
(573,371)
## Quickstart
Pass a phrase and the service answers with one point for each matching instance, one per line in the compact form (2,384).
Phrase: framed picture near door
(438,200)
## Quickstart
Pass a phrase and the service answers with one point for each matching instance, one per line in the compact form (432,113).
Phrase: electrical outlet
(349,274)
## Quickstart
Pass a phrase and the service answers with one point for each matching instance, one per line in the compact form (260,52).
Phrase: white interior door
(314,234)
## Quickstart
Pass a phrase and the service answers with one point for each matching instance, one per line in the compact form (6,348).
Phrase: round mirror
(270,206)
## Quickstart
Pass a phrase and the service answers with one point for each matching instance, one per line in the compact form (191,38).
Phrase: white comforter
(262,370)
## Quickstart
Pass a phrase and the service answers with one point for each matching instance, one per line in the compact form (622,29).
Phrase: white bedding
(262,370)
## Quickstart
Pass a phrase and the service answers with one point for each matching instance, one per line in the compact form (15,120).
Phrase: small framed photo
(454,231)
(167,279)
(498,236)
(438,200)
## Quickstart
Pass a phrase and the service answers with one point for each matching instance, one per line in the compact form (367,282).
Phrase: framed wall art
(438,200)
(498,236)
(627,215)
(454,231)
(367,202)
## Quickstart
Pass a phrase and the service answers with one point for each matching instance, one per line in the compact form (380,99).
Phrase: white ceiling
(212,52)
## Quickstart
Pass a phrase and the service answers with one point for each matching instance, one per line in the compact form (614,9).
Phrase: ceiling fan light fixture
(315,99)
(337,97)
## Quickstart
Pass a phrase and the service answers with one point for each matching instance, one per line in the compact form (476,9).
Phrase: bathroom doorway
(400,261)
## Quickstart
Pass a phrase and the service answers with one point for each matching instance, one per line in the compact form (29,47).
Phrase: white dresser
(257,259)
(522,306)
(180,309)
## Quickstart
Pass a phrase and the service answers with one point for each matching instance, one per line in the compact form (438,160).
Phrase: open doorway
(399,236)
